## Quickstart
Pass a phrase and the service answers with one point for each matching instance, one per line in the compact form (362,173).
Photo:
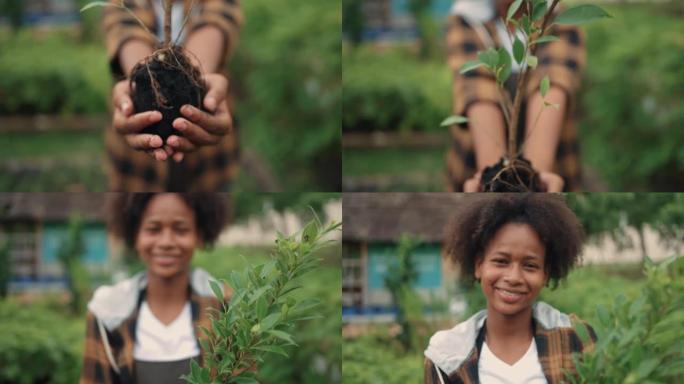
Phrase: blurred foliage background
(285,75)
(635,307)
(631,105)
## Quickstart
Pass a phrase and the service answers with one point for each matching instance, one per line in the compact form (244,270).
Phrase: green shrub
(393,90)
(641,340)
(372,359)
(632,115)
(38,345)
(317,359)
(52,75)
(287,75)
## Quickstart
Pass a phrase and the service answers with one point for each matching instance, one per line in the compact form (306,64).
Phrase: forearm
(542,138)
(487,128)
(132,52)
(205,46)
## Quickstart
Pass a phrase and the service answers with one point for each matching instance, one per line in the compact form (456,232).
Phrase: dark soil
(165,82)
(515,176)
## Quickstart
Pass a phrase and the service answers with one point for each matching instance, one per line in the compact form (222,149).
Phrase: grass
(409,169)
(45,145)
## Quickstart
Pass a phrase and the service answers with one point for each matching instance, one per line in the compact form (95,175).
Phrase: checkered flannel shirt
(97,368)
(555,349)
(562,60)
(211,168)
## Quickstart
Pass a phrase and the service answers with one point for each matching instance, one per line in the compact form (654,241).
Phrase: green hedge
(287,75)
(39,345)
(392,91)
(51,75)
(632,116)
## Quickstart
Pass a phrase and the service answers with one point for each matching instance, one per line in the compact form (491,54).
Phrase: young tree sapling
(532,19)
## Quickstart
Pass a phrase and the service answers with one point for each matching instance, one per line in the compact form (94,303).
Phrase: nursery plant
(262,312)
(165,80)
(533,20)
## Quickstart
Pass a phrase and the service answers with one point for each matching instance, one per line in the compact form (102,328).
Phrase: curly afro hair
(481,216)
(125,211)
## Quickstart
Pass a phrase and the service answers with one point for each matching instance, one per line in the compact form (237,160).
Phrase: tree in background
(4,265)
(399,281)
(352,20)
(14,10)
(613,214)
(69,254)
(425,26)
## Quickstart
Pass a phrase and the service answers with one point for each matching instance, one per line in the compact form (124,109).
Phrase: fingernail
(188,111)
(173,141)
(124,107)
(181,126)
(153,117)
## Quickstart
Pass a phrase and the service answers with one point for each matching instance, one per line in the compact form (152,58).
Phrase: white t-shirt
(155,341)
(527,370)
(177,18)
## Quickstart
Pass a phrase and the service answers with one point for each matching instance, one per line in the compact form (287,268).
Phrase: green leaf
(261,308)
(544,86)
(216,289)
(490,58)
(99,4)
(518,50)
(270,321)
(647,366)
(581,14)
(532,61)
(545,39)
(272,349)
(513,9)
(539,10)
(310,232)
(455,119)
(470,65)
(282,336)
(505,66)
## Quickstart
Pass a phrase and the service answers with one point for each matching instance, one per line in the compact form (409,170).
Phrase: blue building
(373,225)
(392,19)
(37,224)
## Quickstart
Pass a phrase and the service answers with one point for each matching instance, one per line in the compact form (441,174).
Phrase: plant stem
(519,91)
(168,7)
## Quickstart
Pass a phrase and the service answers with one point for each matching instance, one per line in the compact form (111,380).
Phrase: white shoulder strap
(108,350)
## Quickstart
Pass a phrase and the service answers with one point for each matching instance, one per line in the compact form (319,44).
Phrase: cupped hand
(551,182)
(200,128)
(129,124)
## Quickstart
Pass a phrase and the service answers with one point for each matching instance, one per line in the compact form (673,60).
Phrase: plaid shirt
(562,60)
(209,169)
(97,368)
(555,349)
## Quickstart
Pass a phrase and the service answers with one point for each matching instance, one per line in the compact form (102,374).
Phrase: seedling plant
(262,312)
(165,80)
(533,20)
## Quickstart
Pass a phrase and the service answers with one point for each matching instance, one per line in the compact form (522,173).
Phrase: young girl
(513,245)
(551,147)
(145,329)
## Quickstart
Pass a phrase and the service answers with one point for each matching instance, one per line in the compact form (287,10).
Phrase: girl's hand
(551,182)
(200,128)
(129,124)
(473,184)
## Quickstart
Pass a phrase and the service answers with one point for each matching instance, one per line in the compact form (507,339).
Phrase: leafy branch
(528,25)
(262,312)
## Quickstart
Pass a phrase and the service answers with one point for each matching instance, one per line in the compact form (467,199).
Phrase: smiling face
(511,270)
(168,236)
